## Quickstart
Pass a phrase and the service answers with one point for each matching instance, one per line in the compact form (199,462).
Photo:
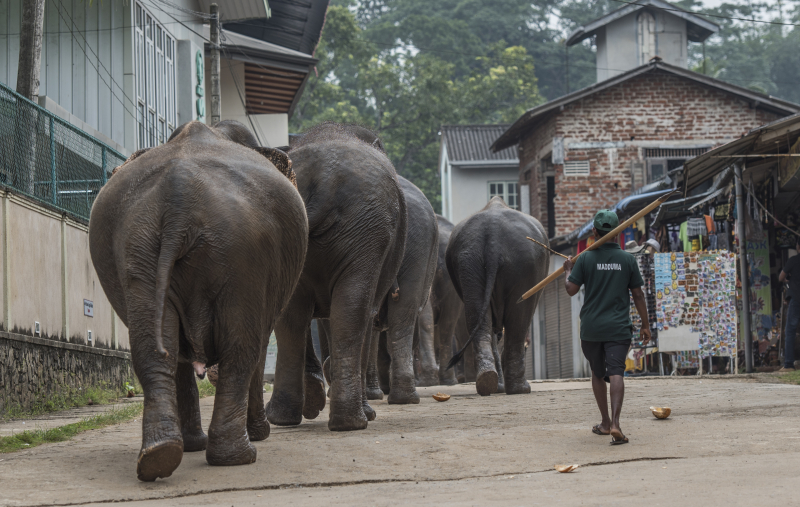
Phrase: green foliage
(791,377)
(66,397)
(206,388)
(406,67)
(32,438)
(406,95)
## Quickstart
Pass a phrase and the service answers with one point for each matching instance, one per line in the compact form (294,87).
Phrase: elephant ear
(136,154)
(281,161)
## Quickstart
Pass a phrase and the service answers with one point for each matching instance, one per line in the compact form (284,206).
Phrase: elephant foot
(518,388)
(501,387)
(348,421)
(326,370)
(314,397)
(369,412)
(403,397)
(281,414)
(195,442)
(258,430)
(448,381)
(374,393)
(461,379)
(486,383)
(223,453)
(159,461)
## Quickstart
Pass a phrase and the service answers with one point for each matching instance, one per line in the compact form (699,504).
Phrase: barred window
(508,190)
(156,112)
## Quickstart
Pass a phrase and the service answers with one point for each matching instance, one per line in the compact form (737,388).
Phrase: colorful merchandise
(695,301)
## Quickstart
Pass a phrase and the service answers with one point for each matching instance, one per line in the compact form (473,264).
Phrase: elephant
(198,245)
(426,368)
(397,323)
(492,264)
(357,232)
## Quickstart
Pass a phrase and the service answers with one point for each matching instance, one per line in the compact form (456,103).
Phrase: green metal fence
(48,159)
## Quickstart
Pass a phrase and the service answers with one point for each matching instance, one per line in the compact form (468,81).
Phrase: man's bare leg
(599,389)
(617,395)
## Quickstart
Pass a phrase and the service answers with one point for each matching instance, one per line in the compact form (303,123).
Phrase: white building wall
(470,188)
(270,129)
(87,58)
(618,44)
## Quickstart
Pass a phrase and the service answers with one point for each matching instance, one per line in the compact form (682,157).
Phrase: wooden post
(216,106)
(742,236)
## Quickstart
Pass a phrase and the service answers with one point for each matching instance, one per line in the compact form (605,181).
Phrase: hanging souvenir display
(646,269)
(686,359)
(695,302)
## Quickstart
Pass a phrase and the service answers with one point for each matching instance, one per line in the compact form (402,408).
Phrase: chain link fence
(48,159)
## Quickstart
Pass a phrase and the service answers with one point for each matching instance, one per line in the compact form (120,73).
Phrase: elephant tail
(172,245)
(492,266)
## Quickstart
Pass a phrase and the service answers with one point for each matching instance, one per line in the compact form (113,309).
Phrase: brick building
(593,147)
(629,133)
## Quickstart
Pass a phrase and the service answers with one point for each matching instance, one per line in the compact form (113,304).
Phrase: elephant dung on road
(492,264)
(198,244)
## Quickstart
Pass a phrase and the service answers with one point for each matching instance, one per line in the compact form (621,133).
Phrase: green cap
(606,220)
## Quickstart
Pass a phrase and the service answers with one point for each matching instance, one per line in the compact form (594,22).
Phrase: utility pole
(745,279)
(28,73)
(216,106)
(30,48)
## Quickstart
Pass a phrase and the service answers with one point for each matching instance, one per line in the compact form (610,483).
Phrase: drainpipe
(741,235)
(216,106)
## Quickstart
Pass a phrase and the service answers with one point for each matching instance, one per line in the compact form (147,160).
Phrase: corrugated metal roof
(531,118)
(472,143)
(234,10)
(295,24)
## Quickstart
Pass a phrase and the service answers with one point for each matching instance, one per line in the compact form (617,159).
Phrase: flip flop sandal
(624,440)
(597,431)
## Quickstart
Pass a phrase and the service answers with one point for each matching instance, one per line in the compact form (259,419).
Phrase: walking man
(608,273)
(791,272)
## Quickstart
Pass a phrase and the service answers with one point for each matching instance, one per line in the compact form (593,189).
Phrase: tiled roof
(471,143)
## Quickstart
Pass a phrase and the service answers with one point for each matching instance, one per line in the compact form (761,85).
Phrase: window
(577,168)
(508,190)
(156,111)
(662,160)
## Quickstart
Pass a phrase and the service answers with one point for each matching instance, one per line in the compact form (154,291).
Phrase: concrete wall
(618,47)
(270,129)
(470,190)
(47,274)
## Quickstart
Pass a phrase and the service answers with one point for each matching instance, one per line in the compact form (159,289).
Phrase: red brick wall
(643,112)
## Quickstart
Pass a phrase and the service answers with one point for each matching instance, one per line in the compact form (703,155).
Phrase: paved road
(729,442)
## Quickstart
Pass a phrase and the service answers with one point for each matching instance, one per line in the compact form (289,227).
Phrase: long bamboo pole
(621,227)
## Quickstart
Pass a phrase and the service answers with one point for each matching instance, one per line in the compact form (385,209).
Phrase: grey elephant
(357,231)
(198,244)
(492,264)
(396,327)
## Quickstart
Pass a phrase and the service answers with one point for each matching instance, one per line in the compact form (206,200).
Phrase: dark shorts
(606,358)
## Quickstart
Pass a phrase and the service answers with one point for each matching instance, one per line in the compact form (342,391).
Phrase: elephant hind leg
(517,324)
(162,440)
(257,424)
(313,383)
(374,391)
(194,439)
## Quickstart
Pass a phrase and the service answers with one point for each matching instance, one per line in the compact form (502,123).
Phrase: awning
(623,208)
(238,10)
(756,146)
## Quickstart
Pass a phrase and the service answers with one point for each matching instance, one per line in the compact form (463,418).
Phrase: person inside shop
(608,274)
(791,273)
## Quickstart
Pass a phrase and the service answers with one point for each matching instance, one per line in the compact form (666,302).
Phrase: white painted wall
(270,129)
(470,192)
(617,44)
(87,58)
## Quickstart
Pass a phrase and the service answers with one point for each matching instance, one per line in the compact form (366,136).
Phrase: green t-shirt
(608,274)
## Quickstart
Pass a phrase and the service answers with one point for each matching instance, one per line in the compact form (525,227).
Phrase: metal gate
(555,309)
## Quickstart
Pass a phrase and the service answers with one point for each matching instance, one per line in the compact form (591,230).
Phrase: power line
(710,15)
